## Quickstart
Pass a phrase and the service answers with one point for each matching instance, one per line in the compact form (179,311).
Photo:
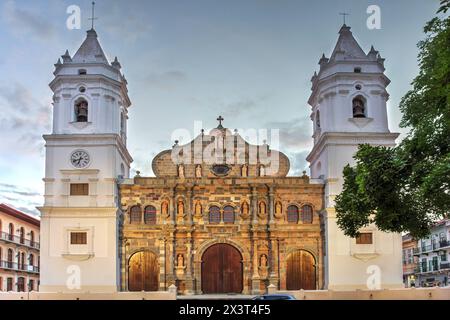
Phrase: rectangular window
(78,238)
(79,189)
(364,238)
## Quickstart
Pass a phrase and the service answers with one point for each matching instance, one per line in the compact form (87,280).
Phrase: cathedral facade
(234,224)
(221,227)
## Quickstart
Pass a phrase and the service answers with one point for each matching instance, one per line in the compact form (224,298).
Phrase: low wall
(159,295)
(435,293)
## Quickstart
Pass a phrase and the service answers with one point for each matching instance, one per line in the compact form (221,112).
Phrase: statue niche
(244,210)
(198,171)
(181,171)
(81,111)
(180,208)
(262,209)
(165,209)
(278,210)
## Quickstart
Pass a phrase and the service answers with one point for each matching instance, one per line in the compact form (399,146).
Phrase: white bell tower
(348,103)
(86,155)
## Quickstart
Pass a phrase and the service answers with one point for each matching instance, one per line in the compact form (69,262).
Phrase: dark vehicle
(275,297)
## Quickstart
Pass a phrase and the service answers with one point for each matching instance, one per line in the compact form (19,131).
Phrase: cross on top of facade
(220,119)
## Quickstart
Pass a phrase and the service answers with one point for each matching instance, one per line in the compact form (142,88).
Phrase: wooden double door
(222,270)
(143,272)
(300,271)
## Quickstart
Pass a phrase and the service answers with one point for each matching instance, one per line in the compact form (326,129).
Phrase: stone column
(189,205)
(124,266)
(254,205)
(162,264)
(255,277)
(190,284)
(271,204)
(171,277)
(172,208)
(274,262)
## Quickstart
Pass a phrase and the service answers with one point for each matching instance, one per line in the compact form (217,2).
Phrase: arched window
(22,235)
(150,215)
(214,214)
(11,232)
(122,170)
(292,214)
(318,119)
(32,238)
(81,110)
(31,260)
(10,258)
(228,214)
(359,108)
(122,125)
(307,214)
(135,214)
(22,261)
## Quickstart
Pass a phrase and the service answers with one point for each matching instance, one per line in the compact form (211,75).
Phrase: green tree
(406,188)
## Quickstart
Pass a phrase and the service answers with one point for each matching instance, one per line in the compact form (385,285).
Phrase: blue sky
(249,60)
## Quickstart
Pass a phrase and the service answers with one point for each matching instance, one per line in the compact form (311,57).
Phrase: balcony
(423,268)
(435,246)
(444,244)
(18,240)
(445,265)
(13,266)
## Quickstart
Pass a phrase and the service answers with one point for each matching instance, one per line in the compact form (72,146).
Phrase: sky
(250,61)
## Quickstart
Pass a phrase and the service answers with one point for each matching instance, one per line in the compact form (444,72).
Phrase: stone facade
(260,231)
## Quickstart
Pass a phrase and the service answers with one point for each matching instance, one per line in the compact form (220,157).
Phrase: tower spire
(93,18)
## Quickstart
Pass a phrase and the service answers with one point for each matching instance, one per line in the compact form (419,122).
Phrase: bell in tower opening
(81,111)
(358,108)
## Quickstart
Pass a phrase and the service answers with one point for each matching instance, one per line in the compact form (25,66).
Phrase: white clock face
(80,159)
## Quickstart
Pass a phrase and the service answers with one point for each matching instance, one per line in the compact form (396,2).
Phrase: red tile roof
(19,215)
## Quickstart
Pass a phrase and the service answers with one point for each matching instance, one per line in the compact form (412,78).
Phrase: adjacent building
(409,263)
(19,250)
(432,257)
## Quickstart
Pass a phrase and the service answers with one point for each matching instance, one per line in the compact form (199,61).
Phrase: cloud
(127,25)
(298,162)
(243,106)
(22,198)
(25,23)
(294,134)
(23,120)
(166,80)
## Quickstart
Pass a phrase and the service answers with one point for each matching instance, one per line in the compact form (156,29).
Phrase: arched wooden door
(143,272)
(222,270)
(300,271)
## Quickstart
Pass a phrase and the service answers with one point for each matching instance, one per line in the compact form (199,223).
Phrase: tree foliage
(406,188)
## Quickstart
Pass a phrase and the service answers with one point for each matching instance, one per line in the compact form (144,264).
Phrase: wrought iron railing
(18,266)
(19,240)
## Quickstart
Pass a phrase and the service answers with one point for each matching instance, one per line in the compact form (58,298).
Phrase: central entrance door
(143,272)
(222,270)
(301,271)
